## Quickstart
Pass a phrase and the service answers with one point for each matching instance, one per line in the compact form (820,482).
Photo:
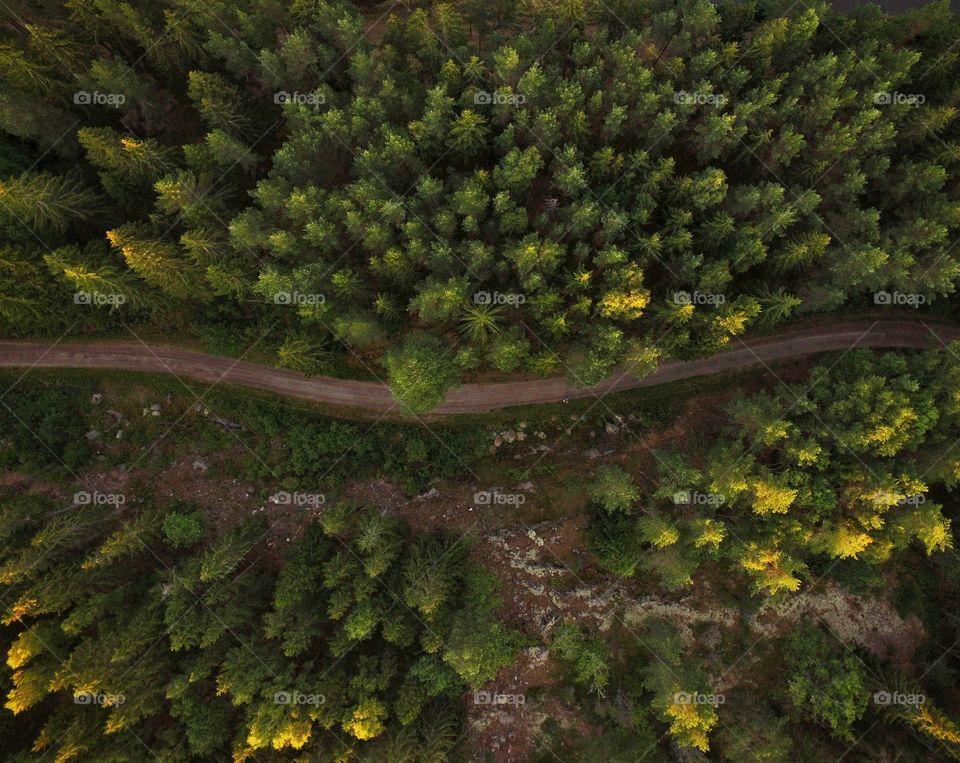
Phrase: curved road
(469,398)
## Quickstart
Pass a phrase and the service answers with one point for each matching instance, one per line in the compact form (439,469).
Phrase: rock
(200,464)
(521,436)
(93,435)
(155,407)
(116,414)
(542,435)
(527,487)
(611,428)
(509,436)
(431,493)
(592,453)
(523,424)
(119,434)
(96,399)
(145,412)
(154,413)
(497,441)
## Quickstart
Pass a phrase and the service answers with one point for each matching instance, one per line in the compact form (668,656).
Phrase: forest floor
(471,398)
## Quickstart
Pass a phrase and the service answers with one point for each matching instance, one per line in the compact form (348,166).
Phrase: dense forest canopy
(429,192)
(547,188)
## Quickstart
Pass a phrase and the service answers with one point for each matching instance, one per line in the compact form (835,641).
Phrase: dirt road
(469,398)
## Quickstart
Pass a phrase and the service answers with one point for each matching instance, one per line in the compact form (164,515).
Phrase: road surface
(469,398)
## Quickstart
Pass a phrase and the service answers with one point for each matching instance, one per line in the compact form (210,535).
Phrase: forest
(547,189)
(759,565)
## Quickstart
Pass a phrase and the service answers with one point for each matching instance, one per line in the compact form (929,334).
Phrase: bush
(183,529)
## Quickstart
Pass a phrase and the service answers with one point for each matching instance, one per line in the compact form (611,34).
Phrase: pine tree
(48,203)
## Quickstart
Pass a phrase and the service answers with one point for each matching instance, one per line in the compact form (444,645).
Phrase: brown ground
(469,398)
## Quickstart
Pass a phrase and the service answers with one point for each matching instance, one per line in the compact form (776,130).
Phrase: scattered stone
(592,453)
(145,412)
(116,414)
(200,464)
(527,487)
(93,435)
(155,407)
(96,399)
(431,493)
